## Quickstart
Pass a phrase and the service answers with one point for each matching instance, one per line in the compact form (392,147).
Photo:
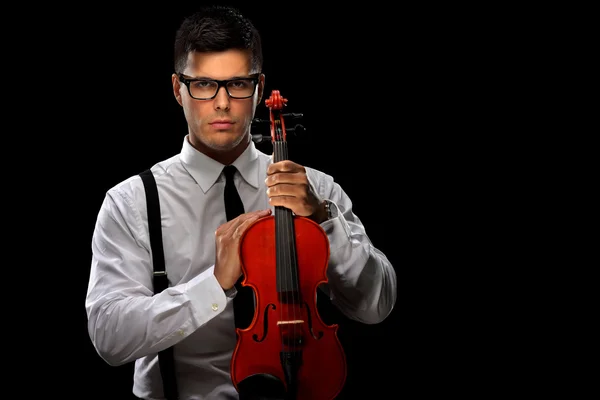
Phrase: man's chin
(226,142)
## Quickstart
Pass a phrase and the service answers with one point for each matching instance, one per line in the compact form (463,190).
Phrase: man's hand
(228,268)
(288,186)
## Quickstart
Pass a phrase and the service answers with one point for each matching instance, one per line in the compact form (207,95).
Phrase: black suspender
(165,357)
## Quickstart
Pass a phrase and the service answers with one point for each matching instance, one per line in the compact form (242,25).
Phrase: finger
(247,216)
(250,214)
(284,166)
(286,177)
(286,189)
(230,226)
(291,202)
(257,214)
(241,228)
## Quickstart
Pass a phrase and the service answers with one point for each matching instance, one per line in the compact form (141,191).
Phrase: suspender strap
(161,282)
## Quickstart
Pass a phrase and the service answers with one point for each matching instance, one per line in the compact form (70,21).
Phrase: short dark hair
(217,28)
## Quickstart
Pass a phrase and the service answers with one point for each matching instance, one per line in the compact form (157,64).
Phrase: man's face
(222,123)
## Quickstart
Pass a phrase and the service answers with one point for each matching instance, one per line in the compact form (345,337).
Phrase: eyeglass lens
(236,88)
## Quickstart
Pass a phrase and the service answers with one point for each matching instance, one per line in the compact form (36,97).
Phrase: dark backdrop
(384,116)
(413,108)
(331,69)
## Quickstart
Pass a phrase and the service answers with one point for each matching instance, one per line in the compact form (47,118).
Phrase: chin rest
(262,387)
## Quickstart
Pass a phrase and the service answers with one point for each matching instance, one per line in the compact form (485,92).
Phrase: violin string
(282,232)
(287,266)
(291,269)
(280,281)
(294,273)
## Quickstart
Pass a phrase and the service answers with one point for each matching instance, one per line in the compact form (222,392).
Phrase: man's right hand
(228,268)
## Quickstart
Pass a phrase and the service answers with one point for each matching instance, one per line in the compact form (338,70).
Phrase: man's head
(218,79)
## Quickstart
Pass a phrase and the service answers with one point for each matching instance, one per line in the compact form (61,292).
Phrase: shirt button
(215,306)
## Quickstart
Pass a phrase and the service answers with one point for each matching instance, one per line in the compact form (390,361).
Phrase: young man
(218,83)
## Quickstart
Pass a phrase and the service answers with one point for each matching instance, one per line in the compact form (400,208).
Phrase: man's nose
(222,99)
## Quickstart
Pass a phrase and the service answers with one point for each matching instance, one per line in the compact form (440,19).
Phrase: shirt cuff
(206,296)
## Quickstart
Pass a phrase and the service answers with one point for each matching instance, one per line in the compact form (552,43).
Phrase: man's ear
(176,88)
(261,88)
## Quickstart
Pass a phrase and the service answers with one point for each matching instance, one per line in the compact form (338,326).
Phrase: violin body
(322,370)
(284,259)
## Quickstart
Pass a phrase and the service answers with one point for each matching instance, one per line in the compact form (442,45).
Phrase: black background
(388,113)
(349,93)
(341,85)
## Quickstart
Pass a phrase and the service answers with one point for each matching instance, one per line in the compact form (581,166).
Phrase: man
(218,83)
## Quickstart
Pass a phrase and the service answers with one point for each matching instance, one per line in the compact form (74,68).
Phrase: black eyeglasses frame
(220,83)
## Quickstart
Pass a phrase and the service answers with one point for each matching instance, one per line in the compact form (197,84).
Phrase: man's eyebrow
(199,77)
(242,77)
(227,79)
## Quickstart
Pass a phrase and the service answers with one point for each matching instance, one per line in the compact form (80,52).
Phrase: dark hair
(217,28)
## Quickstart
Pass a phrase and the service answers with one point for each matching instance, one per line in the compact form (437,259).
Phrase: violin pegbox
(276,103)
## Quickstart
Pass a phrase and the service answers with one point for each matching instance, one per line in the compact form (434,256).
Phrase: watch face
(328,209)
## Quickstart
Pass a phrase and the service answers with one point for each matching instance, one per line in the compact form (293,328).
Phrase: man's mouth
(221,124)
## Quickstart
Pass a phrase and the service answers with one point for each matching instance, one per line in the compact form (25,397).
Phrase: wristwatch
(230,292)
(328,209)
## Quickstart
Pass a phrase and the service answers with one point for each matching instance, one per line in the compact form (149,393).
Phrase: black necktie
(243,303)
(233,202)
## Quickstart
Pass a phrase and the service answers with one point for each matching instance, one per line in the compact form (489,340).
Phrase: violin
(284,259)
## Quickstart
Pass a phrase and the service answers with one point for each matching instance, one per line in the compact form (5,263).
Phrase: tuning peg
(261,121)
(295,129)
(292,115)
(258,138)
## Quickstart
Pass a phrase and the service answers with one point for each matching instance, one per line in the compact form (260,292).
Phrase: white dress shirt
(127,322)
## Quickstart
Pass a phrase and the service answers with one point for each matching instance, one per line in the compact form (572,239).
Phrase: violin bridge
(295,321)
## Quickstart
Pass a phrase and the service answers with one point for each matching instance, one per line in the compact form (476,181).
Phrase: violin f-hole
(319,335)
(265,324)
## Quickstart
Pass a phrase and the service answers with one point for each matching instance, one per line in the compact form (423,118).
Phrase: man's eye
(203,84)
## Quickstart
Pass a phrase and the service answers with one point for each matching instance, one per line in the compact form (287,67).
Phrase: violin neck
(283,215)
(287,265)
(280,150)
(280,153)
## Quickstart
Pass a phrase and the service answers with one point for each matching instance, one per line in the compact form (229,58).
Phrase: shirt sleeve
(362,281)
(126,319)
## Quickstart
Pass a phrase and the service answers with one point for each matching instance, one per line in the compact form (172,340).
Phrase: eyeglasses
(206,89)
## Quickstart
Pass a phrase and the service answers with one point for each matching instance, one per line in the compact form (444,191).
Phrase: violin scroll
(276,103)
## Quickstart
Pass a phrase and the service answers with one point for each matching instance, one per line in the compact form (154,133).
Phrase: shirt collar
(206,171)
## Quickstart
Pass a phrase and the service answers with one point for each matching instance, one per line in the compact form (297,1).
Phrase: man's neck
(225,157)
